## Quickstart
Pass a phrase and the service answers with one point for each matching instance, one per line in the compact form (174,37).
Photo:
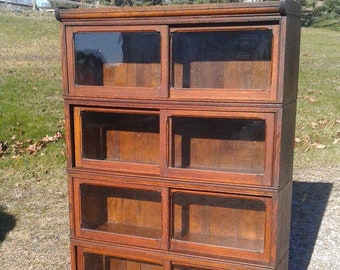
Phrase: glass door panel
(120,137)
(124,140)
(121,211)
(121,59)
(218,144)
(222,59)
(228,147)
(220,221)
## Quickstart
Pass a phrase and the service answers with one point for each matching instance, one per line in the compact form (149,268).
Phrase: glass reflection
(117,58)
(222,59)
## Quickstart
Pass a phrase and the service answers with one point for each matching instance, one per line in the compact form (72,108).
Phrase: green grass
(331,24)
(318,115)
(33,187)
(30,81)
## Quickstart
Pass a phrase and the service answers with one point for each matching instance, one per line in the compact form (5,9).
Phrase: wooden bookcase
(180,133)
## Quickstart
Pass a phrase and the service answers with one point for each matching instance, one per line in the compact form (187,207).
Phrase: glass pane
(126,59)
(122,211)
(103,262)
(120,137)
(218,144)
(222,59)
(220,221)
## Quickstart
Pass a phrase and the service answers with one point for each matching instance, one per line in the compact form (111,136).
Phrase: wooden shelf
(128,229)
(249,245)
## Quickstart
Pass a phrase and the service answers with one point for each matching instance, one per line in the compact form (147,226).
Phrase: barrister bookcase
(180,133)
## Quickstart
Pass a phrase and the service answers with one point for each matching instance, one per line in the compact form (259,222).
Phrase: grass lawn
(33,188)
(318,114)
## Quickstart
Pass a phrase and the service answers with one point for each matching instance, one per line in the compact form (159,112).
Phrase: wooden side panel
(93,143)
(224,75)
(137,147)
(231,79)
(94,261)
(118,264)
(132,75)
(291,39)
(93,206)
(139,210)
(241,75)
(283,224)
(178,76)
(206,75)
(285,145)
(234,156)
(69,135)
(261,74)
(219,154)
(284,263)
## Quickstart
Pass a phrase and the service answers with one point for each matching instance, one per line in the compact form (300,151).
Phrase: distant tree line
(314,10)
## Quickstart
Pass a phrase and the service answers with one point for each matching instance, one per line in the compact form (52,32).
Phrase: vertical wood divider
(164,142)
(167,265)
(165,44)
(166,220)
(78,136)
(80,257)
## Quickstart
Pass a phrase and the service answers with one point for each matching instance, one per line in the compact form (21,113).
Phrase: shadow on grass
(7,223)
(308,207)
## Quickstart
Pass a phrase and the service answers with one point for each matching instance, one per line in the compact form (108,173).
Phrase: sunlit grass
(33,186)
(30,81)
(318,115)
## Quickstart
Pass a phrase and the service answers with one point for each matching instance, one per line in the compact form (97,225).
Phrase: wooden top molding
(228,9)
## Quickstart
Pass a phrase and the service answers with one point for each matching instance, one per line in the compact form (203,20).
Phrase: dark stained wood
(283,224)
(180,156)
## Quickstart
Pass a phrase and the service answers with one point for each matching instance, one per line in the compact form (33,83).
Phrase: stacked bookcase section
(180,133)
